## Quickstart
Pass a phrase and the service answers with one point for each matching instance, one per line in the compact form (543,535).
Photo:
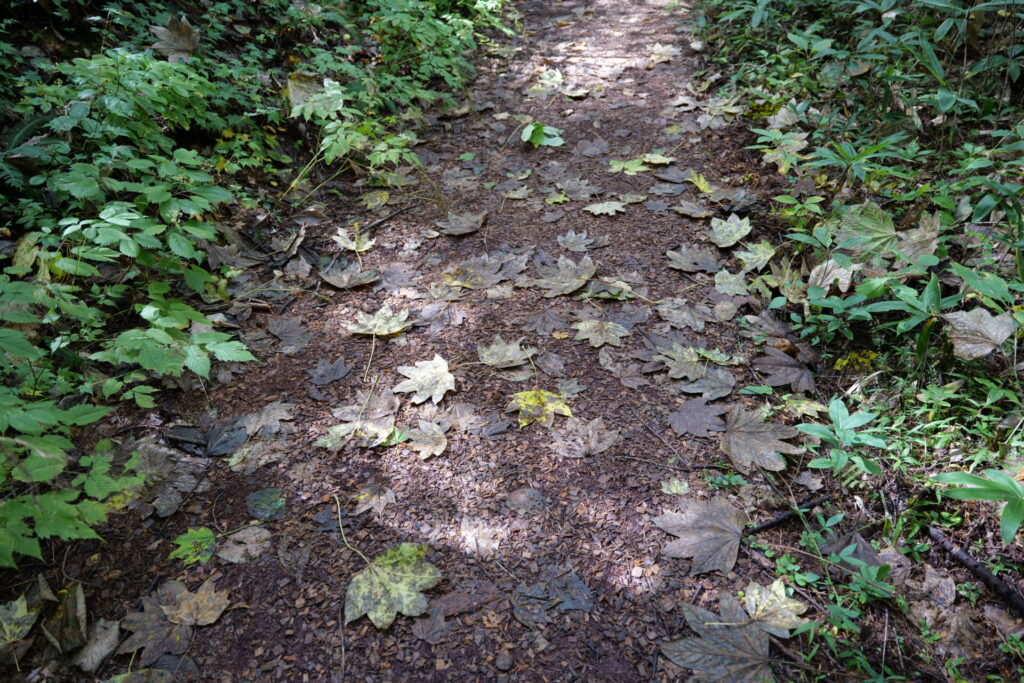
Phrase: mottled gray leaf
(698,418)
(749,440)
(709,532)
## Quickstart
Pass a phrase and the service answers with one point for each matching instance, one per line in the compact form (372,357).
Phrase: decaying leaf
(293,334)
(830,273)
(152,630)
(580,438)
(428,440)
(698,418)
(580,242)
(682,362)
(245,545)
(15,621)
(921,241)
(382,323)
(391,584)
(732,284)
(868,230)
(782,368)
(692,209)
(694,259)
(977,333)
(716,383)
(427,379)
(348,276)
(679,313)
(565,278)
(730,231)
(357,242)
(757,257)
(502,354)
(197,609)
(538,406)
(728,648)
(327,371)
(600,332)
(749,440)
(462,223)
(709,532)
(369,419)
(176,40)
(771,610)
(374,497)
(609,208)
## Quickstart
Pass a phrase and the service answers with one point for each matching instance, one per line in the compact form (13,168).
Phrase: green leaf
(194,546)
(1010,520)
(38,467)
(391,584)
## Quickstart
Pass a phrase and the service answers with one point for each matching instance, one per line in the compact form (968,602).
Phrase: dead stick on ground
(792,512)
(1012,598)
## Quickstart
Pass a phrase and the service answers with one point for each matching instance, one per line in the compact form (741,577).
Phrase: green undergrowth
(119,154)
(895,133)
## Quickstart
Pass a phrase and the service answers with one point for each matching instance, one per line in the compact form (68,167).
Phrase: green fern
(18,142)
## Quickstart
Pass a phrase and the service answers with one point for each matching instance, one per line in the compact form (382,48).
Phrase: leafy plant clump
(115,168)
(895,140)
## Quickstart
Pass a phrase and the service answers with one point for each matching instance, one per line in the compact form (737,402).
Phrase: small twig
(341,529)
(793,511)
(1012,598)
(678,468)
(380,221)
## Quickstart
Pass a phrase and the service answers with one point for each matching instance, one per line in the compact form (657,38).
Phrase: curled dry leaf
(830,273)
(977,333)
(462,223)
(709,532)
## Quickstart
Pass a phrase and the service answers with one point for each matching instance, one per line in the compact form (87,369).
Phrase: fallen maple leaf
(749,440)
(784,369)
(708,532)
(697,417)
(176,40)
(728,647)
(428,379)
(391,584)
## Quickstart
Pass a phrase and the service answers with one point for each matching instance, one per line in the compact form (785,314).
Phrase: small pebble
(503,662)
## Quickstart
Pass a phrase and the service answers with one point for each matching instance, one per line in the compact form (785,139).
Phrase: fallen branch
(1012,598)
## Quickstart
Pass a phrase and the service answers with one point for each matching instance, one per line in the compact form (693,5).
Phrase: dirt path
(550,561)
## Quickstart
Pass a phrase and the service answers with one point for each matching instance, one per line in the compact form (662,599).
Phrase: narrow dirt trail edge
(551,563)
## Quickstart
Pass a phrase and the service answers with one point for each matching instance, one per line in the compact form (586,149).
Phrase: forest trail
(551,565)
